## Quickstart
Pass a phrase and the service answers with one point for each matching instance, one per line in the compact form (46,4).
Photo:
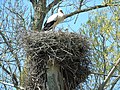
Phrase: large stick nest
(70,50)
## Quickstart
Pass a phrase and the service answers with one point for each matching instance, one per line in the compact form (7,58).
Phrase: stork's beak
(61,11)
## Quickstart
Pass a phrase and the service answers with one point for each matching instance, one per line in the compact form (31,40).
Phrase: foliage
(103,30)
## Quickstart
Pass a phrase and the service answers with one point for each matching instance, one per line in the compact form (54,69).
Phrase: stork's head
(60,10)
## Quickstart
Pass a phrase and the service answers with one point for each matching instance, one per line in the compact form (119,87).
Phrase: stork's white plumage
(53,20)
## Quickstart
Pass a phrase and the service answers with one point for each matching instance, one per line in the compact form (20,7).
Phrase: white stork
(53,20)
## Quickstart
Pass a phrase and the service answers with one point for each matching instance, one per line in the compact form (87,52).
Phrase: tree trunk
(54,76)
(39,15)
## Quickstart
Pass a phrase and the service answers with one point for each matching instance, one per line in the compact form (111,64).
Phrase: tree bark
(39,15)
(54,76)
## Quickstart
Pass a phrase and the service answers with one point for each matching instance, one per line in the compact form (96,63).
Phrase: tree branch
(52,4)
(11,50)
(34,2)
(89,9)
(104,74)
(9,84)
(103,50)
(101,87)
(18,15)
(114,82)
(12,75)
(81,4)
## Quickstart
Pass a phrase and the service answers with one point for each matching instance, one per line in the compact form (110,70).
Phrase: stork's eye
(61,11)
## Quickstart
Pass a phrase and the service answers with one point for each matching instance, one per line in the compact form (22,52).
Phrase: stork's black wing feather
(48,26)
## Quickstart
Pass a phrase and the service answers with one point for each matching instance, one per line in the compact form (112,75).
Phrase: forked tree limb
(101,87)
(14,78)
(114,82)
(52,4)
(11,50)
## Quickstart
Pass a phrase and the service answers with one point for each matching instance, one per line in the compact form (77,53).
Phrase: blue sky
(82,18)
(74,26)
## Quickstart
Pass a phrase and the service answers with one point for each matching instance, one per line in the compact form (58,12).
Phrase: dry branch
(14,78)
(52,4)
(11,50)
(9,84)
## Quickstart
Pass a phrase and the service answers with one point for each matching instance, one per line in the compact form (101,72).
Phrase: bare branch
(114,82)
(34,2)
(104,74)
(81,4)
(52,4)
(9,84)
(12,75)
(101,87)
(89,9)
(11,50)
(5,69)
(103,49)
(17,14)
